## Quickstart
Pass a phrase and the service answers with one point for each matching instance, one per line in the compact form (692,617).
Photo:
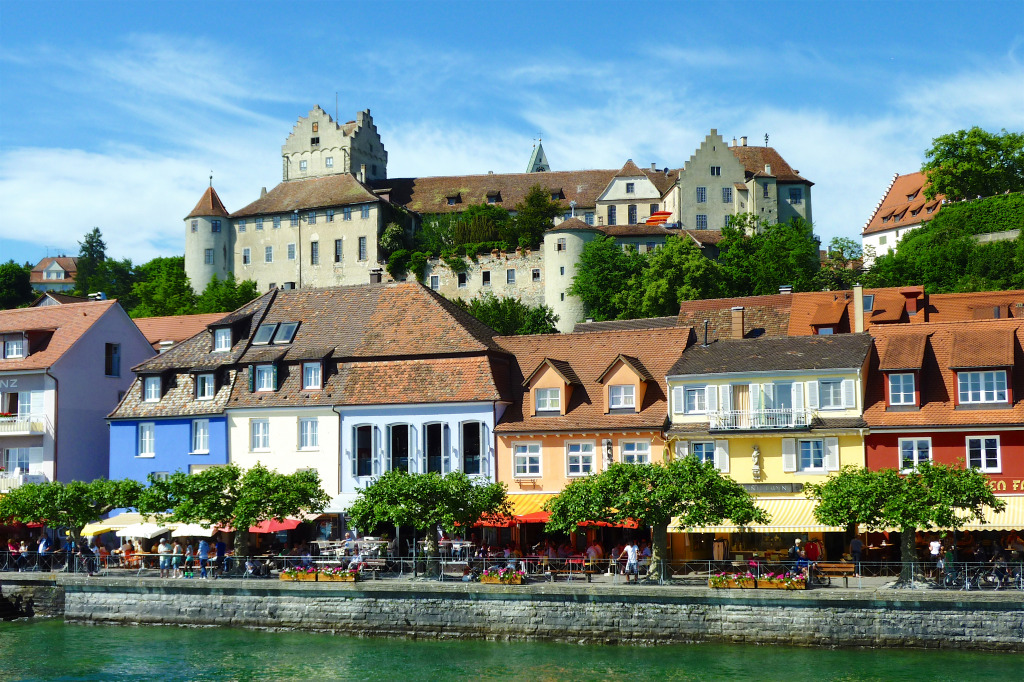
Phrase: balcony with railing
(9,480)
(760,420)
(23,425)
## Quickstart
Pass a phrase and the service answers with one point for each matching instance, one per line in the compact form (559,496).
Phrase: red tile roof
(980,346)
(903,352)
(68,264)
(310,193)
(209,205)
(656,350)
(174,328)
(896,201)
(762,316)
(755,158)
(52,330)
(630,170)
(938,380)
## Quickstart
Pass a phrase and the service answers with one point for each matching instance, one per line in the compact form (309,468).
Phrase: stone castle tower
(318,147)
(209,238)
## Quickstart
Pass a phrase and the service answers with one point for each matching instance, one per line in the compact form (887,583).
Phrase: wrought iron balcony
(759,420)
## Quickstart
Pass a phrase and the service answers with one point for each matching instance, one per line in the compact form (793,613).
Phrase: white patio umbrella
(189,530)
(147,531)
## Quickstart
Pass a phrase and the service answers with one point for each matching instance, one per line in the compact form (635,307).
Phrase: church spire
(538,160)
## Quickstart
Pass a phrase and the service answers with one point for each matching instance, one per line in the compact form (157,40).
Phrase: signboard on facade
(773,487)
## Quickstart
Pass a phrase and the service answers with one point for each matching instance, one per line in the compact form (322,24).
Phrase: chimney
(743,141)
(375,276)
(911,296)
(786,289)
(654,167)
(737,322)
(362,172)
(263,192)
(858,308)
(733,141)
(490,172)
(767,169)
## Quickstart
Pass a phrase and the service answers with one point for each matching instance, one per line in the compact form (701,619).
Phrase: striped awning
(1011,518)
(528,503)
(788,515)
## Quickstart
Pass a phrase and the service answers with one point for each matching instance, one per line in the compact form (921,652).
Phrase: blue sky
(114,114)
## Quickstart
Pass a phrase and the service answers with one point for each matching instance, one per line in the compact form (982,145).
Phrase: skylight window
(264,334)
(286,332)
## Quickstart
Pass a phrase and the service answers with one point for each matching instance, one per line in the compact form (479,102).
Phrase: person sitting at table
(803,565)
(645,556)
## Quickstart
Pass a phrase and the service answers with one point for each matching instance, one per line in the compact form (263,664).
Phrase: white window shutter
(378,454)
(755,397)
(798,395)
(722,456)
(446,449)
(682,449)
(769,396)
(812,395)
(415,456)
(711,398)
(352,453)
(35,458)
(726,397)
(789,454)
(831,454)
(849,395)
(678,400)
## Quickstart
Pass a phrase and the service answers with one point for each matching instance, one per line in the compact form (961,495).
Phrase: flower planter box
(495,580)
(298,576)
(744,584)
(781,585)
(337,578)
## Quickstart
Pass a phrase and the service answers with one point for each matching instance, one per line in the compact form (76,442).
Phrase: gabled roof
(560,367)
(58,298)
(903,352)
(654,349)
(574,224)
(175,328)
(904,196)
(754,160)
(938,377)
(631,362)
(630,170)
(310,193)
(976,347)
(812,353)
(68,264)
(57,328)
(209,205)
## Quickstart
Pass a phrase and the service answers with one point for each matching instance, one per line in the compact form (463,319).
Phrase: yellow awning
(93,529)
(119,522)
(1011,518)
(528,503)
(788,515)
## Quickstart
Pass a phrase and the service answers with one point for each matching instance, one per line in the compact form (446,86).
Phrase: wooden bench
(374,565)
(840,570)
(573,567)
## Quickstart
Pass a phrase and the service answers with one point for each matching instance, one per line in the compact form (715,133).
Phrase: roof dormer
(550,386)
(624,384)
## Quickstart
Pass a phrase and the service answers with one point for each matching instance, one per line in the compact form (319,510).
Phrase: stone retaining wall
(30,597)
(574,613)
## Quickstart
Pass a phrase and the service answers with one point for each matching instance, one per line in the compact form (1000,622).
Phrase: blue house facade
(178,444)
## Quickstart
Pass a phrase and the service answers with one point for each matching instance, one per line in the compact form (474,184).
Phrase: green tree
(225,295)
(68,505)
(686,489)
(841,269)
(757,261)
(678,272)
(481,223)
(508,315)
(92,252)
(534,216)
(162,288)
(974,163)
(392,239)
(607,279)
(15,285)
(230,497)
(933,496)
(427,502)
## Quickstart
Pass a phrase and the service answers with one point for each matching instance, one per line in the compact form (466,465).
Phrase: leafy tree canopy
(225,295)
(842,266)
(533,217)
(974,163)
(508,315)
(678,272)
(68,505)
(162,288)
(758,264)
(15,285)
(692,491)
(92,252)
(426,502)
(605,278)
(931,496)
(228,496)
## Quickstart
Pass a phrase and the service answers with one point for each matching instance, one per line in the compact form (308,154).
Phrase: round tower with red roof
(208,241)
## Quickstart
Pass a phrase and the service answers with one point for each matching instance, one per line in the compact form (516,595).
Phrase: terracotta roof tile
(656,349)
(174,328)
(896,202)
(829,313)
(938,381)
(209,205)
(762,315)
(630,170)
(178,398)
(52,330)
(310,193)
(755,158)
(68,264)
(982,347)
(62,299)
(905,351)
(435,380)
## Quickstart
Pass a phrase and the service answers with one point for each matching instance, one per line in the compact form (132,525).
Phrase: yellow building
(775,415)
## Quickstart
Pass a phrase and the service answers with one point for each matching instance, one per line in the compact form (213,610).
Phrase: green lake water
(51,650)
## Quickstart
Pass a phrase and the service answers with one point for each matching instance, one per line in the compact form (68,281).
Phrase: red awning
(495,522)
(628,523)
(273,526)
(534,517)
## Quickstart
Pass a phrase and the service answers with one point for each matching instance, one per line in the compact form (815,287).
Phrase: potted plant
(782,581)
(502,576)
(337,574)
(298,573)
(733,580)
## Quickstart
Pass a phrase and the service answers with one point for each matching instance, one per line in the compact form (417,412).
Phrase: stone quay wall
(562,612)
